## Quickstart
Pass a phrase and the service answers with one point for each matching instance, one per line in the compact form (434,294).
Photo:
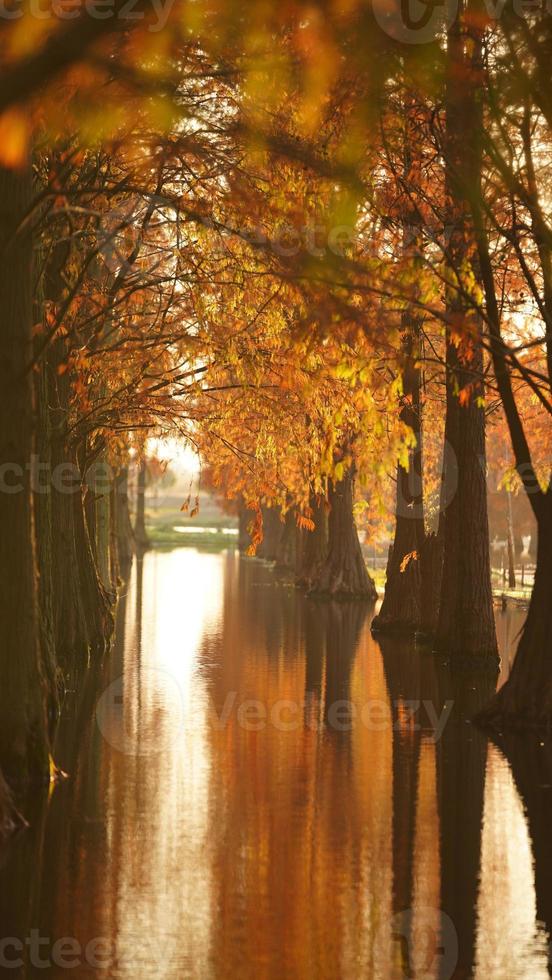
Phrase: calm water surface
(259,789)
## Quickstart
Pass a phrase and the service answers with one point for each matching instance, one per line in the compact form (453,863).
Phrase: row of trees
(321,256)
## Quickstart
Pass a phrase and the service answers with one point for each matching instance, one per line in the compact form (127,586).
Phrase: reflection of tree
(300,819)
(530,760)
(401,663)
(20,863)
(343,622)
(461,764)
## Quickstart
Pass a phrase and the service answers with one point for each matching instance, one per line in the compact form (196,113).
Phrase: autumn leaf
(411,556)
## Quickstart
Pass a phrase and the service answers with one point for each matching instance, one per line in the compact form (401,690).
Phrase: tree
(24,743)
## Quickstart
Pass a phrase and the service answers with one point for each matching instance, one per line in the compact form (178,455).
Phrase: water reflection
(263,790)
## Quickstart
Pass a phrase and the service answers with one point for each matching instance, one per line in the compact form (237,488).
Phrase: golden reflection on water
(203,836)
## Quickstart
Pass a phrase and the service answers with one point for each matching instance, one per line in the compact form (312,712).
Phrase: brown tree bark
(343,572)
(272,533)
(431,566)
(511,543)
(401,610)
(314,548)
(143,542)
(466,619)
(24,746)
(286,552)
(124,532)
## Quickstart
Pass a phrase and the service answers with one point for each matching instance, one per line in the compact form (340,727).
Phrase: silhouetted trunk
(511,543)
(314,549)
(24,743)
(97,603)
(140,534)
(343,572)
(401,610)
(431,565)
(286,552)
(273,529)
(466,619)
(42,492)
(125,543)
(103,537)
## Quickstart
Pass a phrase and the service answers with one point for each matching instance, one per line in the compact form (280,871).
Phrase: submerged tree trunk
(401,610)
(466,618)
(143,542)
(24,746)
(343,572)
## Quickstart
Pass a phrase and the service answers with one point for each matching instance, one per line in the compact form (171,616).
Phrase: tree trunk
(511,543)
(525,700)
(125,544)
(96,602)
(401,609)
(246,517)
(42,495)
(315,544)
(273,528)
(466,618)
(286,552)
(103,538)
(431,564)
(343,572)
(140,534)
(24,746)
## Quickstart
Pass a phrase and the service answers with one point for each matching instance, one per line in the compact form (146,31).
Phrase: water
(259,789)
